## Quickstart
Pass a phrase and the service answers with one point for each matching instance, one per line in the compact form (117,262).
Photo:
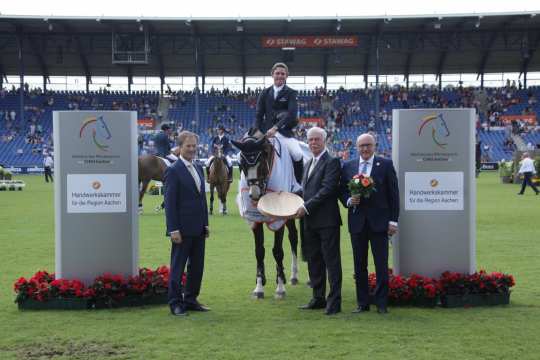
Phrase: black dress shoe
(333,311)
(178,311)
(361,309)
(382,310)
(314,304)
(197,307)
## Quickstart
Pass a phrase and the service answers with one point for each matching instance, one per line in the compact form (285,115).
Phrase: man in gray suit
(321,218)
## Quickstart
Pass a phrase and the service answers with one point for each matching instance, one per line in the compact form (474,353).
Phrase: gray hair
(317,130)
(185,135)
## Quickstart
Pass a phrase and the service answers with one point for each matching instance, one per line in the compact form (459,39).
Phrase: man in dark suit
(187,225)
(276,115)
(321,218)
(162,142)
(221,140)
(371,220)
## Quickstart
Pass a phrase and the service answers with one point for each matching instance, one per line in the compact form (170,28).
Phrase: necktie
(364,167)
(313,164)
(195,176)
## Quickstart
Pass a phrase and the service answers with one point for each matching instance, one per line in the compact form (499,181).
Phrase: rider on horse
(162,141)
(276,115)
(221,140)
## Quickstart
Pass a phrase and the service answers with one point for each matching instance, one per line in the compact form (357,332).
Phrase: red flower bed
(106,288)
(404,290)
(480,282)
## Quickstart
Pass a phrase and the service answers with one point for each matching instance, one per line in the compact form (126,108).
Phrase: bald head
(365,144)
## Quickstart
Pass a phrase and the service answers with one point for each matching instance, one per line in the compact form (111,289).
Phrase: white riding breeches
(229,163)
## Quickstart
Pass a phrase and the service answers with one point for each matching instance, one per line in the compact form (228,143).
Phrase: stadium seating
(353,112)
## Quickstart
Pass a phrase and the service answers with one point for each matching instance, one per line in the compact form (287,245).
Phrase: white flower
(357,181)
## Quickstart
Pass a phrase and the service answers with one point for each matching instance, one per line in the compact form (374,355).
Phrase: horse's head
(255,161)
(218,151)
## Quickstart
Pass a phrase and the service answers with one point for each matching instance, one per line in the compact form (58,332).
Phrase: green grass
(241,328)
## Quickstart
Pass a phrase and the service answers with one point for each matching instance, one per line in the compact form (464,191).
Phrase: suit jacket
(162,144)
(321,190)
(225,142)
(268,108)
(382,206)
(185,207)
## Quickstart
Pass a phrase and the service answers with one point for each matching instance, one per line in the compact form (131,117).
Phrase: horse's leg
(142,189)
(258,233)
(222,191)
(277,250)
(293,239)
(211,199)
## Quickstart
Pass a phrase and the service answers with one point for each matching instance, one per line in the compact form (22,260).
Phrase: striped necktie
(364,167)
(196,178)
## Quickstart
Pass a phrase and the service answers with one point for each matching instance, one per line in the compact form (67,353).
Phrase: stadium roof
(424,44)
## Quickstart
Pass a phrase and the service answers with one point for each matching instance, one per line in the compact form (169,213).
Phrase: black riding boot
(298,167)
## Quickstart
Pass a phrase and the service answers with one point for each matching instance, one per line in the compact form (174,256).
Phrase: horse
(257,160)
(151,167)
(218,179)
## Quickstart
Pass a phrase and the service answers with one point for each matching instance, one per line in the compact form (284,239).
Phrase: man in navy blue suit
(371,220)
(187,224)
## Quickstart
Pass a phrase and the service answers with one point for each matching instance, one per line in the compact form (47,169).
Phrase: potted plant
(478,289)
(505,171)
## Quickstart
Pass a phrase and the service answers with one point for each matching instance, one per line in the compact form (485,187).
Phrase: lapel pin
(378,164)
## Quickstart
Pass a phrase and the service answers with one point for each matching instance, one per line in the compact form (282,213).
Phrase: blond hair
(281,65)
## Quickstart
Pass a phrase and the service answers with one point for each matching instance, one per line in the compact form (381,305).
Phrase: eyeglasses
(365,145)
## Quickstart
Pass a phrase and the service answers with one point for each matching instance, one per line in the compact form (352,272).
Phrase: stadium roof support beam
(527,55)
(378,33)
(366,61)
(243,63)
(159,54)
(445,40)
(413,43)
(36,50)
(130,77)
(20,48)
(2,75)
(485,57)
(82,54)
(489,47)
(325,68)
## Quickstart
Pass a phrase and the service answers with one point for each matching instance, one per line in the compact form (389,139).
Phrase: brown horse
(218,179)
(257,156)
(151,167)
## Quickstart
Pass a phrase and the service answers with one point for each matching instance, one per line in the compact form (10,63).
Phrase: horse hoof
(280,295)
(257,295)
(294,281)
(141,211)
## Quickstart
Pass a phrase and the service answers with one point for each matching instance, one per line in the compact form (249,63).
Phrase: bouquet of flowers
(361,185)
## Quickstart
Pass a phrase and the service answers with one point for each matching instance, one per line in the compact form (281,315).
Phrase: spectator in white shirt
(527,170)
(48,164)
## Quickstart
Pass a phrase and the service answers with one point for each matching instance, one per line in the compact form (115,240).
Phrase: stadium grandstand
(197,73)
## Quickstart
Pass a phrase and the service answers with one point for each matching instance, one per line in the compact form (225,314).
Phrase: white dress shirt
(194,173)
(527,165)
(277,89)
(369,165)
